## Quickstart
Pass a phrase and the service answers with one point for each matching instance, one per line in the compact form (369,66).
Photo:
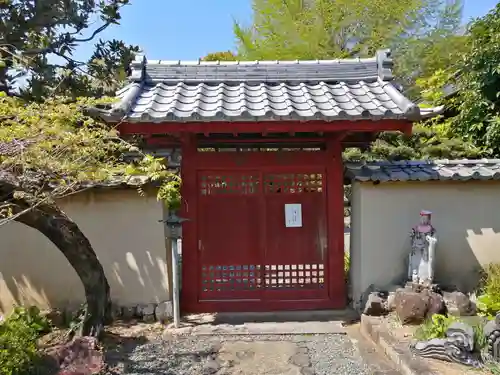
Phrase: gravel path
(201,355)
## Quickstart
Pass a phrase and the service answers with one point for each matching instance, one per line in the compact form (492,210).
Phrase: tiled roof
(458,170)
(329,90)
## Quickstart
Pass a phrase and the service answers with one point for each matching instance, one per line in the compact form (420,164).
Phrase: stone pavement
(261,347)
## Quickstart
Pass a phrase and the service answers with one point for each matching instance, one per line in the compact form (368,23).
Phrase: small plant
(488,303)
(480,340)
(31,317)
(435,327)
(347,265)
(19,333)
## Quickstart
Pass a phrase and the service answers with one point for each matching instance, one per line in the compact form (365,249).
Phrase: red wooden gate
(248,258)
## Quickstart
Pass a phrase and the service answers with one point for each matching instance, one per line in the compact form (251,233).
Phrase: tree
(47,146)
(477,80)
(38,38)
(424,143)
(422,33)
(220,56)
(49,150)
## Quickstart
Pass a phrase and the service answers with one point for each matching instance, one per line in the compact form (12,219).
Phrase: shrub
(19,333)
(488,303)
(435,327)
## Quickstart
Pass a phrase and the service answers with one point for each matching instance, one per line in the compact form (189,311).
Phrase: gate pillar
(335,204)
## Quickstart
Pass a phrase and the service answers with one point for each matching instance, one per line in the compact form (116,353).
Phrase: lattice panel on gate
(224,184)
(233,278)
(294,276)
(294,183)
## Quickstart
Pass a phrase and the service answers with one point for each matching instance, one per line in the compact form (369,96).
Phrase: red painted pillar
(335,207)
(189,193)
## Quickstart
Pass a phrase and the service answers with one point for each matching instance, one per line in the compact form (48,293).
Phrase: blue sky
(189,29)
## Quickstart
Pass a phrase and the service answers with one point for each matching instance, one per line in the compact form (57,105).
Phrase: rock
(211,367)
(148,309)
(376,305)
(116,312)
(391,306)
(147,312)
(411,307)
(56,317)
(129,312)
(361,303)
(164,311)
(458,303)
(436,304)
(80,356)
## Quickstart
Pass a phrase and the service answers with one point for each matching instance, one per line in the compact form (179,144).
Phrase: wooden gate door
(262,240)
(228,236)
(296,257)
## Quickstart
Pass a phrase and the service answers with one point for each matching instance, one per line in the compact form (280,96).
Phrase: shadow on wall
(465,215)
(124,231)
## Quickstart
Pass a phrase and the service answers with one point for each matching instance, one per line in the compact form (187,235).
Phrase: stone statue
(423,244)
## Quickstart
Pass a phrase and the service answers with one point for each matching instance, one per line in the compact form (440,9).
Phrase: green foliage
(347,265)
(493,367)
(18,337)
(220,56)
(33,32)
(54,142)
(478,81)
(422,33)
(31,317)
(435,327)
(480,340)
(169,190)
(61,144)
(425,142)
(488,303)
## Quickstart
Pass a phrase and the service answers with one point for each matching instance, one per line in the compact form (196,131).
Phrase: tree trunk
(69,239)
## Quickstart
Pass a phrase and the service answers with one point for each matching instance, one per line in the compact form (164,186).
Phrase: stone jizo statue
(423,244)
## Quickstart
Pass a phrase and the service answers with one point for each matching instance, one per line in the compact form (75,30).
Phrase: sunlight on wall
(124,231)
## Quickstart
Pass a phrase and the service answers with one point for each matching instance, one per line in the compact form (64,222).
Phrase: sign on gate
(293,215)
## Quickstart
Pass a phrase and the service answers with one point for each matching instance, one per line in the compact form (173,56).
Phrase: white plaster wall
(124,231)
(466,216)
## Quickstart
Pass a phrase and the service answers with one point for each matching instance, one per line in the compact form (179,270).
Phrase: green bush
(488,303)
(19,333)
(435,327)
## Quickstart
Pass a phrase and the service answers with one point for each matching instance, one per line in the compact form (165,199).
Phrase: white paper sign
(293,215)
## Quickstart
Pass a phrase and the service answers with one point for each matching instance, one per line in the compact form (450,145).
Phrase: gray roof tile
(459,170)
(329,90)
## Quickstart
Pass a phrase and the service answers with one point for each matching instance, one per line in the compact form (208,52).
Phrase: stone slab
(398,352)
(256,358)
(270,328)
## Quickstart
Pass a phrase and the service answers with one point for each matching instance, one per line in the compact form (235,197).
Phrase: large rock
(147,312)
(459,304)
(436,304)
(411,307)
(376,305)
